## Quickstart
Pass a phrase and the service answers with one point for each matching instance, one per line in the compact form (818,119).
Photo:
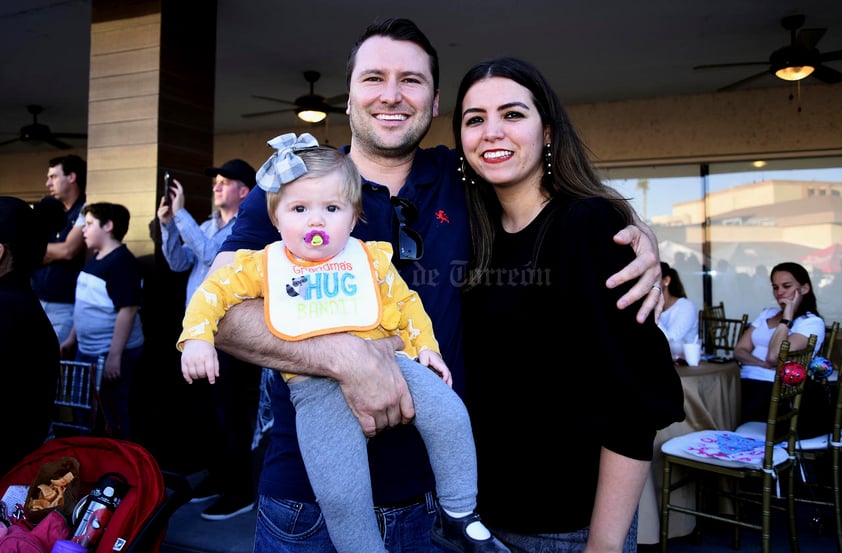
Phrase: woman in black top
(28,343)
(566,392)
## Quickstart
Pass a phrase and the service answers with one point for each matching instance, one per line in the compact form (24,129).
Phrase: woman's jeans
(570,542)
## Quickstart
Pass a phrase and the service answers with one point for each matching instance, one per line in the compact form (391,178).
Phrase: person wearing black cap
(26,333)
(186,245)
(190,246)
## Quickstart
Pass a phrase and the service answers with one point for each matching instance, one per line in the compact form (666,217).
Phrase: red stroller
(139,523)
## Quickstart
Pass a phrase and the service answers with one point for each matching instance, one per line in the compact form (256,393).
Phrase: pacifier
(317,238)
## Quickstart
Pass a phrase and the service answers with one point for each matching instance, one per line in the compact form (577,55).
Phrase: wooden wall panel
(124,86)
(151,105)
(107,64)
(118,156)
(111,35)
(128,132)
(123,109)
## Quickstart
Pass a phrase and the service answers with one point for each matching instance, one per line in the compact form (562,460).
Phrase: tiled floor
(189,533)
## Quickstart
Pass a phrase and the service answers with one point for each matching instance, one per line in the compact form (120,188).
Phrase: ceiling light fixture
(792,63)
(310,115)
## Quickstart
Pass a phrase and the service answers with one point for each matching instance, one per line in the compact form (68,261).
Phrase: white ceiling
(592,50)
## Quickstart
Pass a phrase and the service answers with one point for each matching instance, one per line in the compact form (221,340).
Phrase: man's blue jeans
(292,527)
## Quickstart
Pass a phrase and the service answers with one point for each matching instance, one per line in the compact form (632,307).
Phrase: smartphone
(167,181)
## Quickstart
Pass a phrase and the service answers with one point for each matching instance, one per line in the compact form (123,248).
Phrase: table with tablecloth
(711,401)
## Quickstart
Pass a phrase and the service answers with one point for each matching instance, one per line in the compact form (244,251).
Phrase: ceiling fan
(791,62)
(311,107)
(36,132)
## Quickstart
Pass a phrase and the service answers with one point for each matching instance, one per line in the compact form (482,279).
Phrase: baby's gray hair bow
(284,166)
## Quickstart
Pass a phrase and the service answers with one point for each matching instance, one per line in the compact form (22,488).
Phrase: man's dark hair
(395,29)
(73,164)
(116,213)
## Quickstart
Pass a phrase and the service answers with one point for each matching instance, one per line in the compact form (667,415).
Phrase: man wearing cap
(190,246)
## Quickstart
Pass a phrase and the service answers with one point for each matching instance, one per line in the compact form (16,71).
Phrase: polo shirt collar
(423,172)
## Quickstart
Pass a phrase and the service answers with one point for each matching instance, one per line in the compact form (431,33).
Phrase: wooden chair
(822,489)
(710,455)
(715,311)
(817,486)
(722,334)
(826,350)
(709,312)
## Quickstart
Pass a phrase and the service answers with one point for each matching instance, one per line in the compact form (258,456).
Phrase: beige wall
(710,127)
(742,124)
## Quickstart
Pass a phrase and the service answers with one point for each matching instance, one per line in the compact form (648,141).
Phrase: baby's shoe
(451,533)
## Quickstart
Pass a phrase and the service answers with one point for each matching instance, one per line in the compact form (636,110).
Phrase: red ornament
(793,373)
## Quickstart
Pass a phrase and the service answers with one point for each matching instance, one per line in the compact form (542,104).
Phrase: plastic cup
(692,352)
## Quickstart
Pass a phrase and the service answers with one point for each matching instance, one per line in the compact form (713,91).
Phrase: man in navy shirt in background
(55,282)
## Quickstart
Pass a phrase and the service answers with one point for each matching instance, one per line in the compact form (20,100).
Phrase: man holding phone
(190,246)
(167,186)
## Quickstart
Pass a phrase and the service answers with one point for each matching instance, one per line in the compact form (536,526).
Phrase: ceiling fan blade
(61,145)
(808,38)
(827,74)
(831,56)
(736,64)
(9,141)
(338,99)
(311,101)
(287,102)
(70,135)
(261,113)
(741,82)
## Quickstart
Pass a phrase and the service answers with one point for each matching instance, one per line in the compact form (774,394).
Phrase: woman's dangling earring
(548,155)
(464,171)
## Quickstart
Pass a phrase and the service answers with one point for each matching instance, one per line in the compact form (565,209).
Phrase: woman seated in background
(680,318)
(795,318)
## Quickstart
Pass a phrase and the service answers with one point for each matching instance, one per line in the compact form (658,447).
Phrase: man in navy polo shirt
(55,282)
(393,84)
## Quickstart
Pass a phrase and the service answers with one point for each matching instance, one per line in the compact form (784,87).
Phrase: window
(725,225)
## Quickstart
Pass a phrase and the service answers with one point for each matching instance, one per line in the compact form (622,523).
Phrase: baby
(318,280)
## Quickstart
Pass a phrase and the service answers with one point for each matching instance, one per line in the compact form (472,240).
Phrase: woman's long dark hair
(675,287)
(802,277)
(572,172)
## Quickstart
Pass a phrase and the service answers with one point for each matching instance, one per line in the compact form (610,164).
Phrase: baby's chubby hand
(199,360)
(429,358)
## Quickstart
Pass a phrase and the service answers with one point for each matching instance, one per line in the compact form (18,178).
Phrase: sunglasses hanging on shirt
(410,244)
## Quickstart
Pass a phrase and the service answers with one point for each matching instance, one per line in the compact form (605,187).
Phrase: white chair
(77,398)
